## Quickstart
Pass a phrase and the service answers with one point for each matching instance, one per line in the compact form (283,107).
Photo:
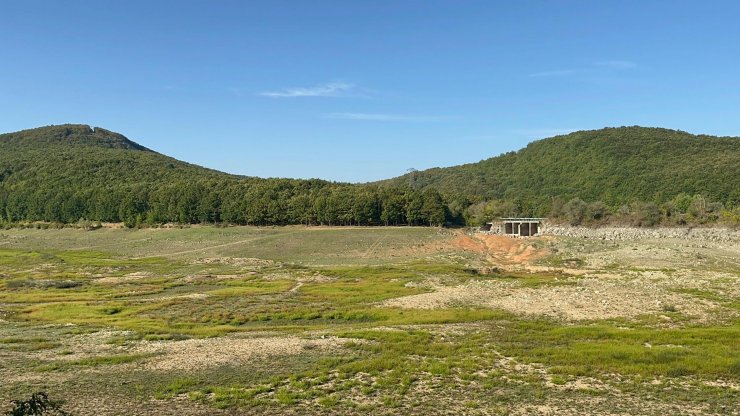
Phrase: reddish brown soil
(499,249)
(465,242)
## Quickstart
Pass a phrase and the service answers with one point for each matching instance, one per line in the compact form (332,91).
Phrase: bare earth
(194,354)
(587,292)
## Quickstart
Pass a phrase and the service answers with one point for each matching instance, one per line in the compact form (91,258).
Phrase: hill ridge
(76,134)
(68,172)
(557,136)
(613,164)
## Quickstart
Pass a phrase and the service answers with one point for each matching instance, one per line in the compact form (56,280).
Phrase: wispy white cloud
(383,117)
(332,89)
(616,64)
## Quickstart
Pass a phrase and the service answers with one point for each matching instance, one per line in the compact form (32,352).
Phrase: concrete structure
(520,227)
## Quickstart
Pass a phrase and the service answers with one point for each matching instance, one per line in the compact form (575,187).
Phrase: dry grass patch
(581,299)
(193,354)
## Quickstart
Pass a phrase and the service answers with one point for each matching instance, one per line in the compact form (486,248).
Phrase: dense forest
(72,172)
(616,166)
(69,173)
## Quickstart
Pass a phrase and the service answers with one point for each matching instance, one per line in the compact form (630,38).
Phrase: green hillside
(613,165)
(81,155)
(70,172)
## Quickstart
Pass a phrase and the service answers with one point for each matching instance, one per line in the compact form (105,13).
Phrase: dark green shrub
(39,404)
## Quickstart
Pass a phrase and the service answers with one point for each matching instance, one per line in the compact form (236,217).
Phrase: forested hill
(613,165)
(78,155)
(69,135)
(71,172)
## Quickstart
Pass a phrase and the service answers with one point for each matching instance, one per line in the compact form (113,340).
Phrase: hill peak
(75,134)
(615,165)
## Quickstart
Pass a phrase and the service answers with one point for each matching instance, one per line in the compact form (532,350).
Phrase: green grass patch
(599,349)
(91,362)
(252,287)
(177,386)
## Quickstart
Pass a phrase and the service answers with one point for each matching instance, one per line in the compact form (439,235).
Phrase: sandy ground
(588,299)
(201,353)
(192,353)
(596,288)
(114,280)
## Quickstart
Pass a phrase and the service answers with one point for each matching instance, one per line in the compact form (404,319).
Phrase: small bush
(678,372)
(39,404)
(43,284)
(734,368)
(328,401)
(112,310)
(558,380)
(669,308)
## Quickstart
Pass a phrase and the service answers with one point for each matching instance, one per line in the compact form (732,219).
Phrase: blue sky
(363,90)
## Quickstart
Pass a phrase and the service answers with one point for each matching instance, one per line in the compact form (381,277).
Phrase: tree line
(681,210)
(645,177)
(287,202)
(268,202)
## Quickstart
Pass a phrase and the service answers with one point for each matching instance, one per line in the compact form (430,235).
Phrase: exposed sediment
(632,233)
